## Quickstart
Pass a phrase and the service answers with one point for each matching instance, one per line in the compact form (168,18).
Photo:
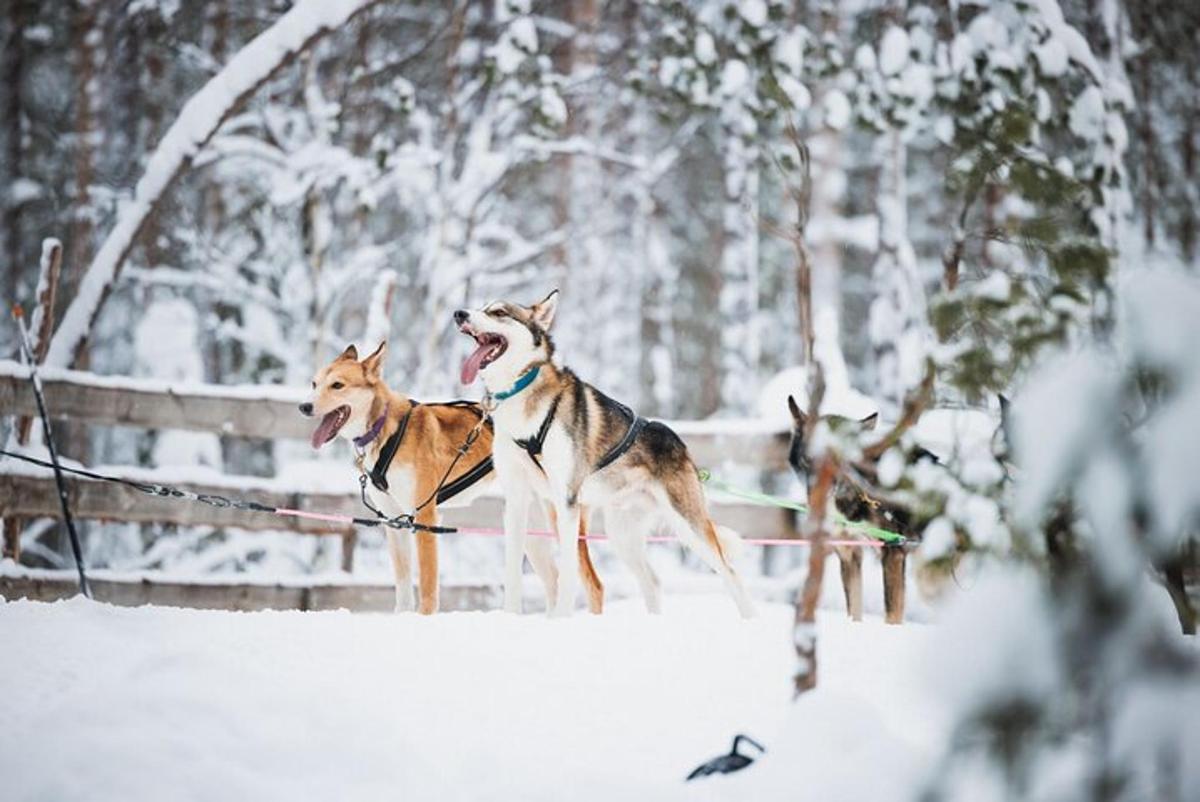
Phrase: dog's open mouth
(488,349)
(330,425)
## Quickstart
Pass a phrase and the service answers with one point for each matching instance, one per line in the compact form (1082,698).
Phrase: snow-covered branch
(293,33)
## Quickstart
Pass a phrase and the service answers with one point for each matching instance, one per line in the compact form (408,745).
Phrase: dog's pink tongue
(324,431)
(470,368)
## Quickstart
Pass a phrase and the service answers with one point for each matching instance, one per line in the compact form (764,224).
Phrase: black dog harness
(446,491)
(533,445)
(636,424)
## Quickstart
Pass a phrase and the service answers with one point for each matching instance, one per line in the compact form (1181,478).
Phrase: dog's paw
(512,606)
(561,610)
(405,603)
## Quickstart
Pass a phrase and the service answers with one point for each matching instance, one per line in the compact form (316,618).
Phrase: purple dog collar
(373,432)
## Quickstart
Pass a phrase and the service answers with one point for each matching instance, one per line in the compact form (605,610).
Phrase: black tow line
(405,521)
(48,434)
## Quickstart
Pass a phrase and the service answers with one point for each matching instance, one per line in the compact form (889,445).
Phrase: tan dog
(353,402)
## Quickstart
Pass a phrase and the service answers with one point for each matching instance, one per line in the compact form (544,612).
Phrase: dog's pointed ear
(373,364)
(543,311)
(798,417)
(350,353)
(868,423)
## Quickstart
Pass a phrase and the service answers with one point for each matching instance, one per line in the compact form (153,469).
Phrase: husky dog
(561,440)
(420,472)
(856,505)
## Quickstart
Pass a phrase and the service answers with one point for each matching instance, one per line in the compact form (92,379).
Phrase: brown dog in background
(855,504)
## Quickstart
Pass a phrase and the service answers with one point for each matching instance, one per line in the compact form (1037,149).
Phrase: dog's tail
(728,543)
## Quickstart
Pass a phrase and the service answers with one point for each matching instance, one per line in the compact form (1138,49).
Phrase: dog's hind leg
(893,584)
(850,560)
(400,549)
(627,536)
(587,571)
(540,551)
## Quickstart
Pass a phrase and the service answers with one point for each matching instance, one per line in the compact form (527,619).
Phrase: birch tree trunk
(897,317)
(85,38)
(593,277)
(740,347)
(12,72)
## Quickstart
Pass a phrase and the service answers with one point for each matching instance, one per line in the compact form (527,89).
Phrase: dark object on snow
(726,764)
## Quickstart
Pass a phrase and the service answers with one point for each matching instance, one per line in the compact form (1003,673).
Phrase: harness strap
(636,424)
(445,492)
(388,452)
(533,445)
(465,481)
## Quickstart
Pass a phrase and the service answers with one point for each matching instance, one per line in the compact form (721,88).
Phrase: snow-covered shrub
(1097,696)
(1037,136)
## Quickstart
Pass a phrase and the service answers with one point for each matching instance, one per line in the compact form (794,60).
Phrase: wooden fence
(270,413)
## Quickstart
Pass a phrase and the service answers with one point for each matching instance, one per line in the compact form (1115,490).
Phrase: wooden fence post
(349,541)
(43,326)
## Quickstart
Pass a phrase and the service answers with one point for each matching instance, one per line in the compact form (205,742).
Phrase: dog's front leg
(427,562)
(400,549)
(567,515)
(516,521)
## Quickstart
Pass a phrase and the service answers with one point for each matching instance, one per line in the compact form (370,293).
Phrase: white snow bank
(108,703)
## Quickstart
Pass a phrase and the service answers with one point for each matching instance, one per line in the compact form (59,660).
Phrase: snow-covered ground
(153,703)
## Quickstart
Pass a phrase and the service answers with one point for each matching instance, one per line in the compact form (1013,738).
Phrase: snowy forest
(979,220)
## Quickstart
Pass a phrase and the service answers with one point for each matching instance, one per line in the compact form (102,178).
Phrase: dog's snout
(460,316)
(306,409)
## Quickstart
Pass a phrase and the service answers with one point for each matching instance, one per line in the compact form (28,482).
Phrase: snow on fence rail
(235,593)
(269,411)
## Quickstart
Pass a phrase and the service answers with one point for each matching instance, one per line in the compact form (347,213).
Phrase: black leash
(214,500)
(27,350)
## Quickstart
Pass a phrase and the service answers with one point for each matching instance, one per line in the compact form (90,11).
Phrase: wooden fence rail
(269,412)
(30,496)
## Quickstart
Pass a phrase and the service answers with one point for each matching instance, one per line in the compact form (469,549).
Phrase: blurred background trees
(632,153)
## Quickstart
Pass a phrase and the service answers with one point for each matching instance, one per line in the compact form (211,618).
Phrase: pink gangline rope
(490,532)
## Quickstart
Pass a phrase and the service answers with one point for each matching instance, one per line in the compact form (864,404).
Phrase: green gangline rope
(775,501)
